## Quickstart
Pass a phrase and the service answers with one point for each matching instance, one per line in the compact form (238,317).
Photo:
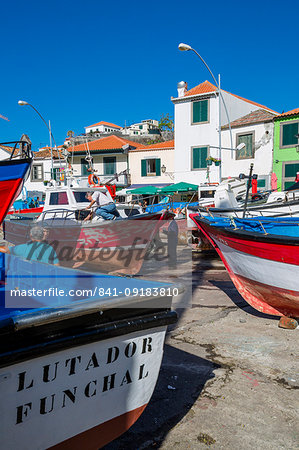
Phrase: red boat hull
(113,246)
(101,435)
(13,173)
(9,191)
(265,271)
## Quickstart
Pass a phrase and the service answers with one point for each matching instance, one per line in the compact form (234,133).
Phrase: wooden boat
(13,173)
(77,370)
(262,259)
(117,246)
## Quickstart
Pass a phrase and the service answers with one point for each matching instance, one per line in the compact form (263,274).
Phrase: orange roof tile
(106,143)
(202,88)
(289,113)
(104,123)
(45,152)
(159,146)
(207,87)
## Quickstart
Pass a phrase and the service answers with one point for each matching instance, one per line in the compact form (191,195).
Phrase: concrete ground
(229,378)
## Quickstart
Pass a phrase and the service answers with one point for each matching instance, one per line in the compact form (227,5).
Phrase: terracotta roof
(104,123)
(289,113)
(258,116)
(203,88)
(106,143)
(159,146)
(45,152)
(207,87)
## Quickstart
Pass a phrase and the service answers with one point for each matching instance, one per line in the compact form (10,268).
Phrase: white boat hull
(82,397)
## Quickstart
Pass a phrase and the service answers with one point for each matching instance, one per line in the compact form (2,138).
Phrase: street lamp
(185,47)
(24,103)
(163,170)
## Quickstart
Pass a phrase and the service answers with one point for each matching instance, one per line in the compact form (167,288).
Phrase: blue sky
(82,62)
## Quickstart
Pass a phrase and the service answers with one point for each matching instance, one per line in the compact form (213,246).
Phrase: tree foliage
(166,122)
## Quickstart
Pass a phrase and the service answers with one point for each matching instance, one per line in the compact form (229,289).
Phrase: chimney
(182,88)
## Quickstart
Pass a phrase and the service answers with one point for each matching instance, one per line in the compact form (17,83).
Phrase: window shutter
(290,171)
(204,155)
(84,167)
(158,167)
(289,131)
(200,111)
(199,157)
(196,157)
(143,167)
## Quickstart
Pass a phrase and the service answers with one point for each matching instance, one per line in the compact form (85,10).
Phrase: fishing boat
(117,246)
(13,172)
(80,354)
(240,203)
(262,259)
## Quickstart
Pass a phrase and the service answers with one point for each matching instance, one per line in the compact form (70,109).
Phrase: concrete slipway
(229,377)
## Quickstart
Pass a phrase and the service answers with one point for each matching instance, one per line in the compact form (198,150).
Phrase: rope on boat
(263,227)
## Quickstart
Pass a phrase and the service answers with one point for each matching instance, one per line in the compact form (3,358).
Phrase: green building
(286,148)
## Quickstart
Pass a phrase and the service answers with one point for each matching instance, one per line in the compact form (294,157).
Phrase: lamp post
(24,103)
(239,147)
(186,47)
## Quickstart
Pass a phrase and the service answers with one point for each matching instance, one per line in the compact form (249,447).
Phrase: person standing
(105,207)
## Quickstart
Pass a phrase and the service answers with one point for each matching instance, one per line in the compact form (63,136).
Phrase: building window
(109,165)
(37,173)
(84,167)
(289,171)
(248,151)
(288,132)
(56,173)
(151,167)
(199,158)
(200,111)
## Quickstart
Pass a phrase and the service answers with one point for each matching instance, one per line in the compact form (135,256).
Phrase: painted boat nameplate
(49,399)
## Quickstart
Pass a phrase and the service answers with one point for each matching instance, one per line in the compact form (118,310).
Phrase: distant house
(110,157)
(286,148)
(145,128)
(256,131)
(152,164)
(102,128)
(197,126)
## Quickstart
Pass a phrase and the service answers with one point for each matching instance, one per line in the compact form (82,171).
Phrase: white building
(197,130)
(256,131)
(146,128)
(44,168)
(152,164)
(102,128)
(110,157)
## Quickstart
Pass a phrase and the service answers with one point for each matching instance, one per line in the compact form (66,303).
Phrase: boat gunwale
(260,207)
(253,235)
(71,337)
(15,162)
